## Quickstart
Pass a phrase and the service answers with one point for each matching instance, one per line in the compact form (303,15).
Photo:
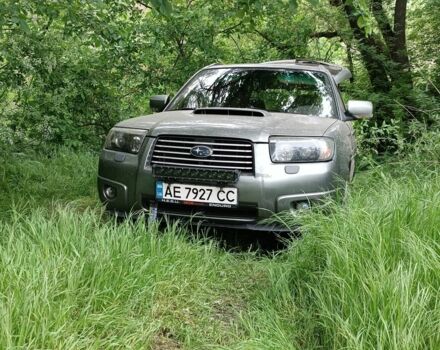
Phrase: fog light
(109,192)
(302,205)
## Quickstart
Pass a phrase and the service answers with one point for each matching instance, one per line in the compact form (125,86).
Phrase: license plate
(197,194)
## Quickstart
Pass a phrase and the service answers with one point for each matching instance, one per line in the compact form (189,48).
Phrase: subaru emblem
(201,151)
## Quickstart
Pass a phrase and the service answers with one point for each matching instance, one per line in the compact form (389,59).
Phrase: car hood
(257,129)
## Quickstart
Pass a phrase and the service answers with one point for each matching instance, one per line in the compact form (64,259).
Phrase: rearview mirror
(159,102)
(360,109)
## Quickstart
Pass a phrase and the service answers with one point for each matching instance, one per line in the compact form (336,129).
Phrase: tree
(383,49)
(69,69)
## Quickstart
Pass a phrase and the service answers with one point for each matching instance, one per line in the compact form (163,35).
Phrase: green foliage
(366,276)
(400,136)
(29,180)
(70,69)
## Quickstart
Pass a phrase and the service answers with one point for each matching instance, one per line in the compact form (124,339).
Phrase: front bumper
(273,188)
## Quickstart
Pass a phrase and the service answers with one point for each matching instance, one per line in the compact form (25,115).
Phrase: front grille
(226,153)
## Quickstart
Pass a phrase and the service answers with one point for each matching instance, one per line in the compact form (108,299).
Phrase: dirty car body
(236,144)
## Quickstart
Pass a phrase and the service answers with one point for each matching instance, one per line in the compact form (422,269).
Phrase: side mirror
(360,109)
(159,102)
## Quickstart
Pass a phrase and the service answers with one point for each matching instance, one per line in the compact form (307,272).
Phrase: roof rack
(338,72)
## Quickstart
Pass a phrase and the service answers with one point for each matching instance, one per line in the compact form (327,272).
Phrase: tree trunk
(398,47)
(386,57)
(370,50)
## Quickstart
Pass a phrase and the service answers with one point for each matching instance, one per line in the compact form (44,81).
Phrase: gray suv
(236,144)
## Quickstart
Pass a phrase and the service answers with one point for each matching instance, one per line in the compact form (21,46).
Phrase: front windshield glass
(275,90)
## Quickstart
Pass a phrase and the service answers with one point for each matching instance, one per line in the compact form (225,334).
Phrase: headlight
(125,140)
(301,149)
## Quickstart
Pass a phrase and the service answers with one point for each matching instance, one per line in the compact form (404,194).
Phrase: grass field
(364,275)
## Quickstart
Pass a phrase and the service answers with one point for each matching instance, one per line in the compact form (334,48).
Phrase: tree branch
(350,61)
(383,21)
(237,46)
(276,45)
(144,4)
(230,28)
(369,48)
(326,34)
(399,31)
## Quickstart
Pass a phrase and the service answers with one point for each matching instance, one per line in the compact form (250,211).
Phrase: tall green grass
(28,181)
(365,273)
(72,281)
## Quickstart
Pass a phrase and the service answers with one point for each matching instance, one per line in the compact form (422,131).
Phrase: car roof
(338,72)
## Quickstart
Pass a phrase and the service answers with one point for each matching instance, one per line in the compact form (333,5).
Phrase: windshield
(275,90)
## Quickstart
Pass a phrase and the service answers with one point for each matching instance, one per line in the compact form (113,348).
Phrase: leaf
(23,25)
(293,5)
(166,7)
(163,6)
(361,22)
